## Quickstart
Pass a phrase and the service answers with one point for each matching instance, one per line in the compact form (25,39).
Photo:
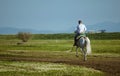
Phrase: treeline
(53,36)
(93,36)
(104,36)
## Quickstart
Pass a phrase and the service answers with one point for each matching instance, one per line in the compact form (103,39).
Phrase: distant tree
(24,36)
(103,31)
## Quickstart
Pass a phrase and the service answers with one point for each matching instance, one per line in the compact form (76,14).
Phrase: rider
(80,31)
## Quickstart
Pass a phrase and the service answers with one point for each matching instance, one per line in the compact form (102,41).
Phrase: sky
(57,14)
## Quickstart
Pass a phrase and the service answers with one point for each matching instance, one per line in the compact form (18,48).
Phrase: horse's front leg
(76,51)
(72,48)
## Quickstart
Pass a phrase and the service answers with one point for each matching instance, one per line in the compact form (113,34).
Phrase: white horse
(84,44)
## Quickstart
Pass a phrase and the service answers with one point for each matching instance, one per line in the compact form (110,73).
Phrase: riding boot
(75,42)
(75,39)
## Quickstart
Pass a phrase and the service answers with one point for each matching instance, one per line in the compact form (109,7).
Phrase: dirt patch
(109,65)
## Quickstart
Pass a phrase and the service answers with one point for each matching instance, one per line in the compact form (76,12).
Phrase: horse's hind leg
(84,54)
(85,58)
(76,51)
(82,51)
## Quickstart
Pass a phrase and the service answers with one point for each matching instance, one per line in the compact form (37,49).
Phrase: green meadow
(48,46)
(34,49)
(98,46)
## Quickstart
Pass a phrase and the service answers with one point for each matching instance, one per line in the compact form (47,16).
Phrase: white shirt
(81,28)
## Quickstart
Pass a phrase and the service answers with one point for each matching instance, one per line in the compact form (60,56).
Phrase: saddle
(81,35)
(78,37)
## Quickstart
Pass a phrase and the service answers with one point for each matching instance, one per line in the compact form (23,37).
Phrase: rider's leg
(75,39)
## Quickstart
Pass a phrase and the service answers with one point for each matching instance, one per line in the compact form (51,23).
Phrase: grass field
(44,69)
(52,58)
(98,46)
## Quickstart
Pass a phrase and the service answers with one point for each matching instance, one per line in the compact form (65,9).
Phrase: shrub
(24,36)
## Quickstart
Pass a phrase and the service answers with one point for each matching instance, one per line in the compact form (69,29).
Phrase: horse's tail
(88,46)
